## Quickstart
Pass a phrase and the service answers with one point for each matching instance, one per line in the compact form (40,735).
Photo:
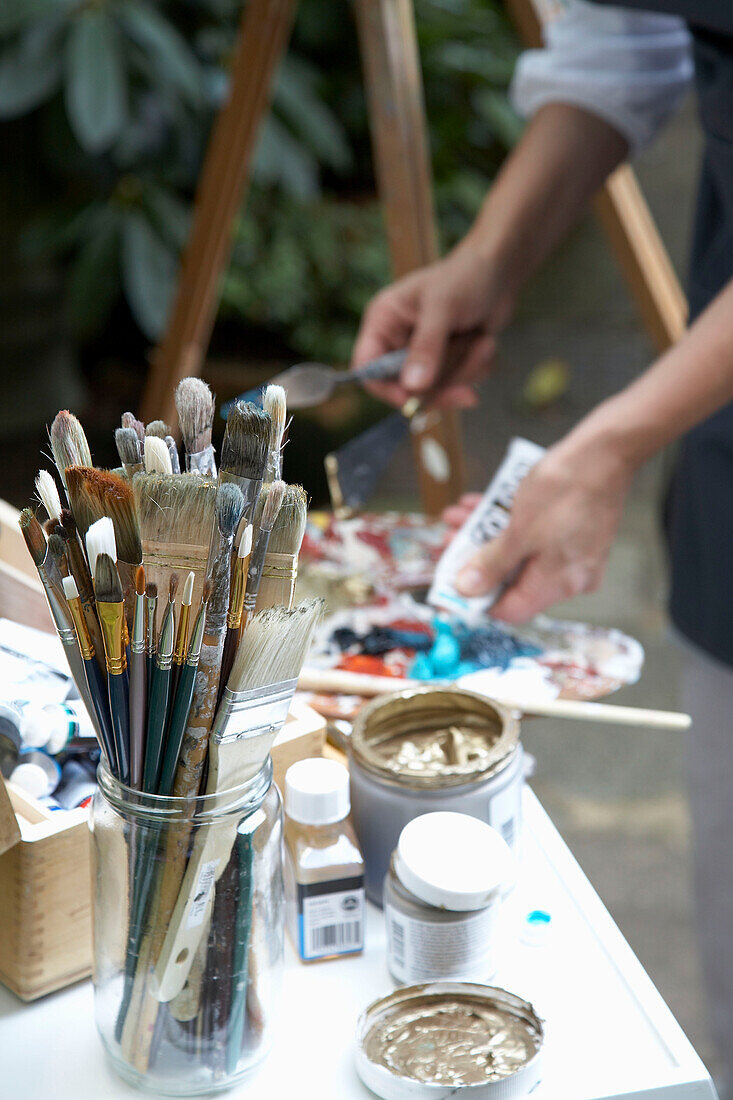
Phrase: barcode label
(204,887)
(330,918)
(507,831)
(335,937)
(398,942)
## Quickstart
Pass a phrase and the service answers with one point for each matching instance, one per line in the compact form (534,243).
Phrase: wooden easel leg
(394,86)
(263,38)
(629,226)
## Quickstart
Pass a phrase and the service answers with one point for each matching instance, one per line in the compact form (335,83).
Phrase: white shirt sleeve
(631,68)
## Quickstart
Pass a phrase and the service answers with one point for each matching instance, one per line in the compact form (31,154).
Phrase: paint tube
(487,520)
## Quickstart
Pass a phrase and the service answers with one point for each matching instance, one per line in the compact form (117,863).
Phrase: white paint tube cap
(36,774)
(317,792)
(453,861)
(45,727)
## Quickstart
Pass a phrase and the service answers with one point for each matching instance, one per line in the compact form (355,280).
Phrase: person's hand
(447,314)
(564,519)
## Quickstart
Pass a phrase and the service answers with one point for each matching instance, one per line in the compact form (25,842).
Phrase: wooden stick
(354,683)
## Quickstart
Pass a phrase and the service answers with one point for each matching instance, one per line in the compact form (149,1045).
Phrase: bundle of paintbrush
(156,580)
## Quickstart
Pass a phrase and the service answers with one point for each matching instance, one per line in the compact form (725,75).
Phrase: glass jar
(188,917)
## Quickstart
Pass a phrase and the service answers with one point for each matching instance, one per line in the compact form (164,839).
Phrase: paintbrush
(157,428)
(176,516)
(80,572)
(237,588)
(244,453)
(173,454)
(181,645)
(159,695)
(270,510)
(151,638)
(111,611)
(96,493)
(48,494)
(69,444)
(195,407)
(129,450)
(129,420)
(138,683)
(280,571)
(157,456)
(183,699)
(274,403)
(95,679)
(254,708)
(50,578)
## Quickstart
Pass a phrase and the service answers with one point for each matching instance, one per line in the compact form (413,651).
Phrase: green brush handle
(157,723)
(240,956)
(179,717)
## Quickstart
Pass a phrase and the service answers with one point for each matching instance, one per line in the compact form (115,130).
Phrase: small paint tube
(55,726)
(76,785)
(36,773)
(487,520)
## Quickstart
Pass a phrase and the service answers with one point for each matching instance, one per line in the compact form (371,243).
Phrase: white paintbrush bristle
(188,588)
(157,456)
(70,590)
(274,402)
(245,543)
(48,494)
(274,646)
(100,540)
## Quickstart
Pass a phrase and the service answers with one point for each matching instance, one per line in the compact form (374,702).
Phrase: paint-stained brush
(173,453)
(274,403)
(129,450)
(270,510)
(176,516)
(138,683)
(237,589)
(157,456)
(69,444)
(129,420)
(280,571)
(111,611)
(195,407)
(157,428)
(159,695)
(244,452)
(95,679)
(50,578)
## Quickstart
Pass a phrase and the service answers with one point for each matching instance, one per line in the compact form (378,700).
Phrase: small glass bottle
(324,869)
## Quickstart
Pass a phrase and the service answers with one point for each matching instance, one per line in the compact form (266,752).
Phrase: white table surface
(609,1034)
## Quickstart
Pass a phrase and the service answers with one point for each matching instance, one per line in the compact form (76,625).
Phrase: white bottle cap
(46,727)
(453,861)
(37,774)
(317,792)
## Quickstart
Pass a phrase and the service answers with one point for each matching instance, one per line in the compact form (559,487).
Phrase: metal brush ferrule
(59,608)
(112,622)
(82,630)
(137,641)
(236,594)
(244,715)
(202,462)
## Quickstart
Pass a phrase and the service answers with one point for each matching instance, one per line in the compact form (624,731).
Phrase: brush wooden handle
(341,682)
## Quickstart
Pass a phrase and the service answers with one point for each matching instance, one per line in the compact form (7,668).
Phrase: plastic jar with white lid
(442,895)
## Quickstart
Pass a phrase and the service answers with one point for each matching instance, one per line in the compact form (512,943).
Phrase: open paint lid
(449,1039)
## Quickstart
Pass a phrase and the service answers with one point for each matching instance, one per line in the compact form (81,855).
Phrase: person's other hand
(447,315)
(564,519)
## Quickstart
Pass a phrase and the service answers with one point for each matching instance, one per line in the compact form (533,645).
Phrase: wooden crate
(45,887)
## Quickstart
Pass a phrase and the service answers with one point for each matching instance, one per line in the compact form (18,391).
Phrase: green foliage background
(109,104)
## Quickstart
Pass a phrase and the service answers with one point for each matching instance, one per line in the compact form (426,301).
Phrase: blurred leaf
(148,274)
(170,216)
(29,71)
(168,50)
(95,90)
(496,108)
(463,57)
(16,14)
(94,283)
(280,159)
(319,128)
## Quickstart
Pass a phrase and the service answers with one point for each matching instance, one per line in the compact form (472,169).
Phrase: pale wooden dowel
(353,683)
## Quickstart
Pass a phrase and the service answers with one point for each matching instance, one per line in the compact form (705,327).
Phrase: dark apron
(699,511)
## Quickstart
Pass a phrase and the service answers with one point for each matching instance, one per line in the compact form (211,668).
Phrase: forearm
(563,158)
(687,384)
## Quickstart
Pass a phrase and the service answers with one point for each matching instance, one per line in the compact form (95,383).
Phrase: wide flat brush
(111,611)
(69,444)
(50,578)
(244,452)
(280,571)
(274,403)
(96,681)
(269,660)
(138,683)
(96,493)
(159,695)
(176,516)
(195,408)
